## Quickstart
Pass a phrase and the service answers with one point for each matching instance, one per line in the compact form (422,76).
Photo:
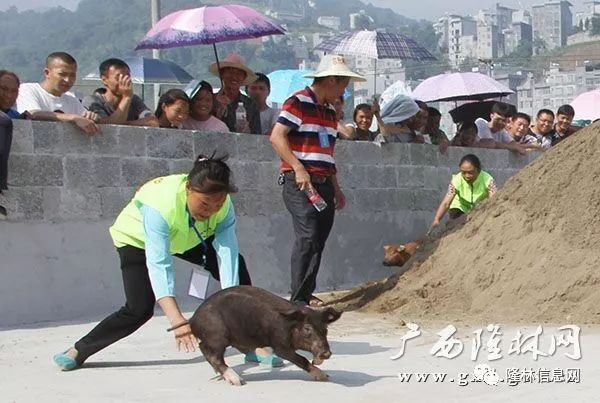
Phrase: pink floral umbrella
(208,26)
(459,87)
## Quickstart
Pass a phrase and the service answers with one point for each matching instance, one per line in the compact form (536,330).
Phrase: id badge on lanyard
(324,139)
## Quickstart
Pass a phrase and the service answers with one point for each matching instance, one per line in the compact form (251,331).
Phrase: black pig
(248,317)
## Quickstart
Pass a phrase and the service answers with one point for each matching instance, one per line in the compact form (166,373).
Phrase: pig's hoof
(319,375)
(233,378)
(317,361)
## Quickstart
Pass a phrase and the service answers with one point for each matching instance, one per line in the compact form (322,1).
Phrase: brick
(246,174)
(35,170)
(424,154)
(107,142)
(518,161)
(395,153)
(426,199)
(221,143)
(182,166)
(381,177)
(62,204)
(137,171)
(60,138)
(355,177)
(410,176)
(436,178)
(22,141)
(24,203)
(92,172)
(402,199)
(357,153)
(252,147)
(165,143)
(112,201)
(132,142)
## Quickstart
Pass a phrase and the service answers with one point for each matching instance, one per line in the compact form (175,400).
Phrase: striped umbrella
(375,45)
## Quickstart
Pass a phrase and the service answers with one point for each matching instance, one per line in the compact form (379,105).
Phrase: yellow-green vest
(167,195)
(469,194)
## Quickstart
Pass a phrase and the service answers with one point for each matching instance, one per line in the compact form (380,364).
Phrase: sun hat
(237,62)
(399,109)
(335,65)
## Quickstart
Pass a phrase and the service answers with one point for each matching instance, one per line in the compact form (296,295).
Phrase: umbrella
(375,45)
(587,106)
(459,87)
(285,82)
(151,71)
(470,111)
(208,26)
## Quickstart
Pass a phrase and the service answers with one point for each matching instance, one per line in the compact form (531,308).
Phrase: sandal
(65,362)
(271,360)
(315,302)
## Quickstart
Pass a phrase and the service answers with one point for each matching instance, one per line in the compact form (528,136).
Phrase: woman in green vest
(468,188)
(188,216)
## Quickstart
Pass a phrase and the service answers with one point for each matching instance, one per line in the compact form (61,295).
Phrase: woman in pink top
(201,106)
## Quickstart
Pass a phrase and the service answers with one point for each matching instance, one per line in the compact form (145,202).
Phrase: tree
(580,25)
(539,46)
(362,21)
(587,24)
(468,63)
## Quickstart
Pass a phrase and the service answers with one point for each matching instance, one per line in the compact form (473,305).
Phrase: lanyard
(192,223)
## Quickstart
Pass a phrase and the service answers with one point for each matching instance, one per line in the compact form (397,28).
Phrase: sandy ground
(146,367)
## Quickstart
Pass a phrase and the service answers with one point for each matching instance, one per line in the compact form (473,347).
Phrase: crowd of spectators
(198,107)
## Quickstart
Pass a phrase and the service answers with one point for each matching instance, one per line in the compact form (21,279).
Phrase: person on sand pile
(468,188)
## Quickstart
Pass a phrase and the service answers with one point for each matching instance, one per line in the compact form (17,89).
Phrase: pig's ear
(331,315)
(295,315)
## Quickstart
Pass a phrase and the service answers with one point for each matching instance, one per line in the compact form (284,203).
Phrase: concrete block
(426,200)
(355,177)
(252,147)
(137,171)
(402,199)
(221,143)
(107,142)
(35,170)
(182,166)
(424,154)
(533,155)
(357,153)
(410,176)
(495,159)
(455,154)
(396,153)
(62,204)
(92,172)
(22,141)
(132,142)
(246,174)
(165,143)
(436,178)
(518,161)
(60,138)
(112,201)
(23,203)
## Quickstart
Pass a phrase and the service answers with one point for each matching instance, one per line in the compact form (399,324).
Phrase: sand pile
(532,253)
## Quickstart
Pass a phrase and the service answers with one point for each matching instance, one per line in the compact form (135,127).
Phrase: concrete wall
(56,257)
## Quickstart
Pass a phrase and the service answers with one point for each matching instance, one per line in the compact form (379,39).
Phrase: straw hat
(237,62)
(335,65)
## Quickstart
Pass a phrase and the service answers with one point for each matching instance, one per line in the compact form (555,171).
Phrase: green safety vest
(469,194)
(167,195)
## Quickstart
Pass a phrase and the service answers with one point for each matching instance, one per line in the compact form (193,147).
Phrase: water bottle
(315,198)
(240,116)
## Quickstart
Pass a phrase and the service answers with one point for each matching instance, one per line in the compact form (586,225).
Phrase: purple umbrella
(208,26)
(459,87)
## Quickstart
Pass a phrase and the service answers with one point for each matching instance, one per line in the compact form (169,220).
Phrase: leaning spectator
(421,121)
(519,130)
(543,127)
(201,106)
(432,129)
(467,188)
(234,73)
(563,127)
(362,118)
(466,135)
(6,128)
(492,133)
(51,100)
(343,131)
(400,121)
(9,92)
(116,103)
(259,91)
(173,109)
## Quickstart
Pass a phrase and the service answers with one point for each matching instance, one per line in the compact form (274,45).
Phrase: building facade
(552,23)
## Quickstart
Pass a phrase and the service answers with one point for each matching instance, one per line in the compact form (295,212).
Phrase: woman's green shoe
(65,362)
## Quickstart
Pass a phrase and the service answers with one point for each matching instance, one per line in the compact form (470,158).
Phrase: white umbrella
(459,87)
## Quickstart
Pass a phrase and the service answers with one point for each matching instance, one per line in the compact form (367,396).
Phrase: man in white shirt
(492,133)
(51,100)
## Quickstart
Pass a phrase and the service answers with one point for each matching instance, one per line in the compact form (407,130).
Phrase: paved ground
(146,368)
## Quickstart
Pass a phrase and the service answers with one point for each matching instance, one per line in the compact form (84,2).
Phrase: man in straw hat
(234,73)
(304,138)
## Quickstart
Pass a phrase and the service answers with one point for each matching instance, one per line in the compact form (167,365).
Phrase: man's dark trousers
(6,135)
(311,229)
